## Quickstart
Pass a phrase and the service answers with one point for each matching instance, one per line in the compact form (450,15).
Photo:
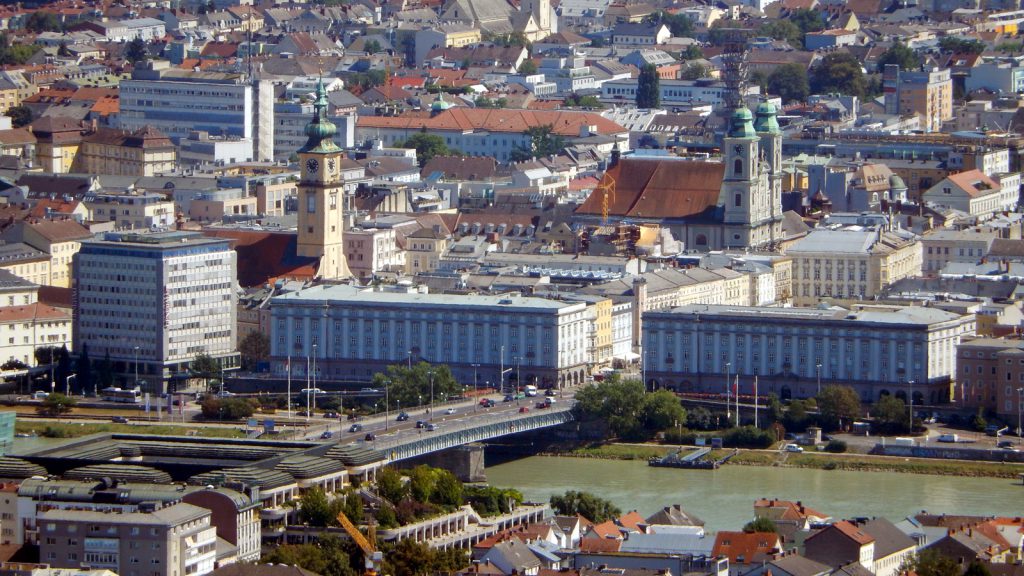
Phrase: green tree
(15,54)
(315,509)
(618,403)
(543,142)
(205,367)
(136,51)
(930,562)
(390,485)
(978,422)
(759,78)
(352,506)
(839,72)
(576,101)
(796,417)
(42,21)
(761,524)
(421,483)
(56,404)
(591,507)
(14,364)
(411,386)
(528,67)
(412,558)
(694,71)
(254,348)
(327,557)
(491,501)
(447,490)
(386,517)
(680,25)
(901,55)
(62,50)
(890,415)
(648,90)
(838,404)
(977,568)
(427,146)
(692,52)
(782,30)
(807,20)
(952,44)
(774,413)
(371,47)
(790,82)
(214,408)
(661,410)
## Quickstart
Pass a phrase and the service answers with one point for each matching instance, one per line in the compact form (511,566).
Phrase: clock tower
(322,195)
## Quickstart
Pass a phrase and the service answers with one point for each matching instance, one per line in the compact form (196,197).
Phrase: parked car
(948,438)
(327,435)
(402,417)
(330,414)
(119,420)
(450,411)
(541,405)
(1005,444)
(523,409)
(355,428)
(370,437)
(793,448)
(431,427)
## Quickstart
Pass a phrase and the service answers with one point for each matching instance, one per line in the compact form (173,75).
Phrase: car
(487,403)
(421,424)
(549,392)
(370,437)
(793,448)
(431,427)
(327,435)
(450,411)
(370,390)
(1005,444)
(355,428)
(523,409)
(952,438)
(484,401)
(330,414)
(402,417)
(303,413)
(550,400)
(508,398)
(541,405)
(119,420)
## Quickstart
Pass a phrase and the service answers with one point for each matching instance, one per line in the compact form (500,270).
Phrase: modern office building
(156,301)
(877,350)
(354,333)
(926,92)
(678,93)
(176,540)
(290,119)
(178,102)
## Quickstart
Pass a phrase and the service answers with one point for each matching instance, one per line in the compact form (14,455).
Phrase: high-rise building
(322,195)
(153,302)
(926,92)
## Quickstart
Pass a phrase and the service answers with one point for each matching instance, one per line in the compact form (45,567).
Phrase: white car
(450,411)
(793,448)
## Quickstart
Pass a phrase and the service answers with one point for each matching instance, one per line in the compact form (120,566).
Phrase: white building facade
(355,333)
(876,350)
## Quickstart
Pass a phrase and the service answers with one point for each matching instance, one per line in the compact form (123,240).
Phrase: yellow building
(423,249)
(926,93)
(57,142)
(61,239)
(854,264)
(145,152)
(10,95)
(271,197)
(25,262)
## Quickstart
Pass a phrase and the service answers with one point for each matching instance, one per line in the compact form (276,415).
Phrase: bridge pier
(466,462)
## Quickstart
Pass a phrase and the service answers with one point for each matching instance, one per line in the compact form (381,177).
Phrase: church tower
(322,195)
(744,194)
(767,126)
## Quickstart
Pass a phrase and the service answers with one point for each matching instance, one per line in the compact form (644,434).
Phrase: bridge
(477,428)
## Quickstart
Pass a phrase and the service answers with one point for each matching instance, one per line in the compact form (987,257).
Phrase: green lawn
(73,430)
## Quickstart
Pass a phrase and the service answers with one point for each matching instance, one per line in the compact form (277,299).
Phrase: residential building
(640,34)
(178,102)
(926,92)
(892,549)
(25,324)
(134,211)
(25,262)
(176,540)
(354,333)
(746,550)
(424,248)
(851,263)
(144,29)
(876,350)
(825,39)
(569,74)
(943,246)
(221,205)
(58,238)
(840,544)
(57,142)
(974,193)
(370,250)
(990,375)
(495,133)
(999,74)
(271,197)
(156,301)
(674,93)
(144,152)
(444,35)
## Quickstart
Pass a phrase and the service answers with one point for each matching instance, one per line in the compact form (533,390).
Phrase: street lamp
(408,354)
(476,389)
(136,366)
(910,383)
(431,395)
(818,368)
(67,384)
(728,372)
(1020,397)
(386,406)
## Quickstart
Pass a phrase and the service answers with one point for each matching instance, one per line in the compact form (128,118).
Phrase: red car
(523,409)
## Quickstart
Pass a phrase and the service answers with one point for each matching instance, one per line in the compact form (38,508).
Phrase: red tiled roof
(264,257)
(39,210)
(599,545)
(632,521)
(31,311)
(744,547)
(852,532)
(659,189)
(794,510)
(563,123)
(975,183)
(608,529)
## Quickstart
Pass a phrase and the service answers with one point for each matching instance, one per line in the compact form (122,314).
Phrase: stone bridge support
(466,462)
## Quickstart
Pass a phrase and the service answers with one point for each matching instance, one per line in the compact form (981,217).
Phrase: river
(724,498)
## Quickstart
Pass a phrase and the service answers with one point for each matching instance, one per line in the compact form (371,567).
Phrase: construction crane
(372,558)
(607,188)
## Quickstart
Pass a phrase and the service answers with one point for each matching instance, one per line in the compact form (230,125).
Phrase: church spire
(320,131)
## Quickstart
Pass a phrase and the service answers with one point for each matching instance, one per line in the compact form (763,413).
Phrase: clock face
(331,164)
(312,165)
(738,149)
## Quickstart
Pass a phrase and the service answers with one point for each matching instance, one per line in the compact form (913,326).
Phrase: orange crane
(607,188)
(372,558)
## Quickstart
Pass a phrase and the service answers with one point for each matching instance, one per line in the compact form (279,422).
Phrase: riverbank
(810,460)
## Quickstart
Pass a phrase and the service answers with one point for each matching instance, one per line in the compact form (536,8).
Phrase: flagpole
(755,401)
(737,391)
(289,368)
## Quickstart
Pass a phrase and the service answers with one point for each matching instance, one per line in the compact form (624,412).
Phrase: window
(738,199)
(311,203)
(737,167)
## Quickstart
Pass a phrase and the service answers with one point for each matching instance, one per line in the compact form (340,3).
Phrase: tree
(679,25)
(327,557)
(56,404)
(890,415)
(661,410)
(47,354)
(316,510)
(254,348)
(629,413)
(839,72)
(371,47)
(205,367)
(490,501)
(41,21)
(412,558)
(790,82)
(62,50)
(543,142)
(952,44)
(977,568)
(796,417)
(13,364)
(760,524)
(390,485)
(83,369)
(900,55)
(807,20)
(528,67)
(411,386)
(694,71)
(15,53)
(774,412)
(352,506)
(759,78)
(648,90)
(783,30)
(136,51)
(930,562)
(427,146)
(978,422)
(576,101)
(227,408)
(421,483)
(585,504)
(63,365)
(692,52)
(105,371)
(838,404)
(447,490)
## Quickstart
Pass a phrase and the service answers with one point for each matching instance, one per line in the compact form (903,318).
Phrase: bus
(133,396)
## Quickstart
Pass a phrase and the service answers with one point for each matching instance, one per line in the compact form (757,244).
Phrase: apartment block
(927,93)
(990,375)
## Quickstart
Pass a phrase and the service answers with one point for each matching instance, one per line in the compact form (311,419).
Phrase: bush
(744,437)
(835,446)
